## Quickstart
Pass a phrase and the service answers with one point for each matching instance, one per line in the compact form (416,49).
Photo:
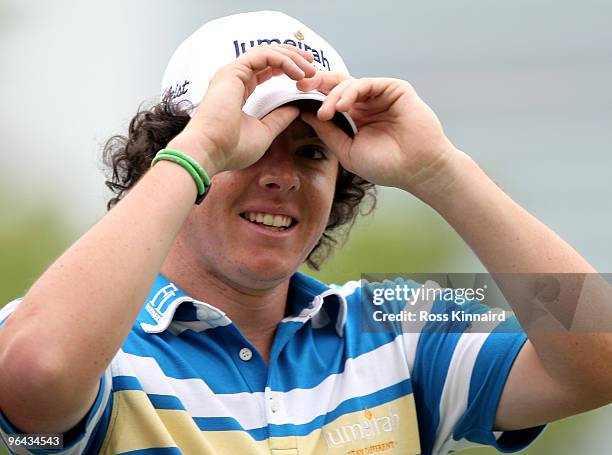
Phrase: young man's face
(230,233)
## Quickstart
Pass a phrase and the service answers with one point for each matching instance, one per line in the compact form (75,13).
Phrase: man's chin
(266,273)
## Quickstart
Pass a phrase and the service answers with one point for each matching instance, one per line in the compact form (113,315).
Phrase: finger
(303,59)
(279,119)
(363,90)
(264,75)
(369,97)
(337,140)
(261,59)
(328,108)
(306,54)
(292,63)
(352,93)
(323,81)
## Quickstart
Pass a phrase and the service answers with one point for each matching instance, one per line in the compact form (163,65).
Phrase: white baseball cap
(218,42)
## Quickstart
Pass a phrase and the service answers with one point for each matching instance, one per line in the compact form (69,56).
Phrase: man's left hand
(400,141)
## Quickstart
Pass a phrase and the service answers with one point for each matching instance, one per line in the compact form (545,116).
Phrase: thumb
(279,119)
(336,139)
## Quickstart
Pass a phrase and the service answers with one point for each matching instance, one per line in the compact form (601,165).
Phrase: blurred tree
(32,234)
(402,235)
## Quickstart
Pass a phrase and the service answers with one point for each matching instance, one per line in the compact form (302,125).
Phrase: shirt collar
(308,299)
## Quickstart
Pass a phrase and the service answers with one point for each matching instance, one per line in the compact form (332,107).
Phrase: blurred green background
(523,87)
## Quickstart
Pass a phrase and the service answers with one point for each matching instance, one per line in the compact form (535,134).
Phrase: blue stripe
(4,317)
(165,402)
(434,352)
(189,355)
(356,404)
(99,432)
(491,370)
(229,424)
(319,352)
(378,398)
(158,401)
(155,451)
(126,383)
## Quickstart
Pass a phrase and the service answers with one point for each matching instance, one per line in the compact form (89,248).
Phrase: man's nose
(278,173)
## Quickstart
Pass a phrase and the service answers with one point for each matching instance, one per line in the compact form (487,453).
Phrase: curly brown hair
(127,159)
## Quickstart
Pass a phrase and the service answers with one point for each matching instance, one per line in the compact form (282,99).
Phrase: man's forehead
(299,129)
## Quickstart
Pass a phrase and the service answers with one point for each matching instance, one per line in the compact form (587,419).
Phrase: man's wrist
(433,183)
(460,187)
(206,155)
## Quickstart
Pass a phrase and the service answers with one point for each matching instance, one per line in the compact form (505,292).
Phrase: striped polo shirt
(187,381)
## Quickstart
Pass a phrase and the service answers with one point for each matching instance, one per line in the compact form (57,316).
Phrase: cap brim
(279,91)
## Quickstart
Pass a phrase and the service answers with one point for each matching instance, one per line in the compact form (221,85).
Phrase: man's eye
(311,152)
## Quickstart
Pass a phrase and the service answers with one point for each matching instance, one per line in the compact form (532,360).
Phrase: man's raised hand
(400,141)
(220,134)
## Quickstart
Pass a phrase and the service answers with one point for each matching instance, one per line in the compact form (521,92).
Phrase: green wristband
(199,169)
(186,165)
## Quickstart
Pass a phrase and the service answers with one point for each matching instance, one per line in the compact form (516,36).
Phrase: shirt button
(274,406)
(245,354)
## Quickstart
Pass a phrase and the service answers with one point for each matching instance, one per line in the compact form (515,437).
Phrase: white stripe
(456,446)
(198,399)
(454,399)
(166,317)
(345,289)
(366,374)
(80,446)
(343,292)
(317,304)
(411,341)
(412,330)
(178,327)
(308,312)
(9,308)
(363,375)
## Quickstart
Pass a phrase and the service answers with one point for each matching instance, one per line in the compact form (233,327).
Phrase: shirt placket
(277,411)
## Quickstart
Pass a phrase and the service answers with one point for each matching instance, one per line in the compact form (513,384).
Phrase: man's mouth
(269,221)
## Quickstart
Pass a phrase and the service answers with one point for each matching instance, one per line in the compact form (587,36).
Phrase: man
(228,349)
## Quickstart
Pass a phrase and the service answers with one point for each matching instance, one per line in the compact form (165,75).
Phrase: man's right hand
(220,134)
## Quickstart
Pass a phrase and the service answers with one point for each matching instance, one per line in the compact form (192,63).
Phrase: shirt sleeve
(458,377)
(87,436)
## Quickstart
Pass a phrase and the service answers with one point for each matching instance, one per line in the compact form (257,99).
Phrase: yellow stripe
(136,424)
(404,440)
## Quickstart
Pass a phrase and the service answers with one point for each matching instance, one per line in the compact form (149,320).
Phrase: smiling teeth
(267,219)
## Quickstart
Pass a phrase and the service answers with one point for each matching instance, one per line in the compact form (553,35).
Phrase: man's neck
(256,312)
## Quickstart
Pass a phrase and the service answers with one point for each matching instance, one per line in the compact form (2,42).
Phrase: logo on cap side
(178,89)
(319,57)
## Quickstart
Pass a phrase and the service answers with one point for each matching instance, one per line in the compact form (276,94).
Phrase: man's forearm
(507,239)
(505,236)
(73,320)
